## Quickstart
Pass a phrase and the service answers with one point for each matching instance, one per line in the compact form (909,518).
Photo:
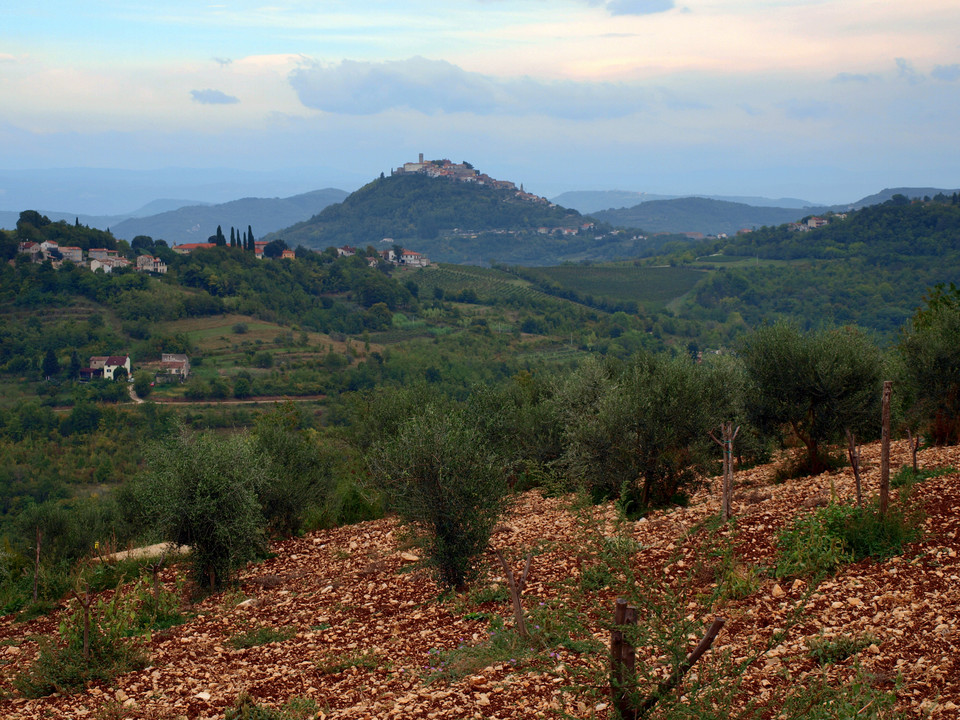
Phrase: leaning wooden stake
(677,675)
(854,453)
(885,448)
(516,588)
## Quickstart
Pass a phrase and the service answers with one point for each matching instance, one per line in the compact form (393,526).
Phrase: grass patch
(367,660)
(260,636)
(246,708)
(829,651)
(907,477)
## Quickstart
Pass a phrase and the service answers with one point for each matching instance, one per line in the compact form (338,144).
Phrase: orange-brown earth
(349,594)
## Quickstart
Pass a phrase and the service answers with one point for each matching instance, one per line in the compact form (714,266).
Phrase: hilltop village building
(463,172)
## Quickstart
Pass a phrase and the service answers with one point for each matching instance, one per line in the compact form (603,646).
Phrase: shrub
(819,542)
(68,667)
(828,651)
(441,479)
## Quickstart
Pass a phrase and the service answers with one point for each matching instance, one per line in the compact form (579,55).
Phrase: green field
(650,286)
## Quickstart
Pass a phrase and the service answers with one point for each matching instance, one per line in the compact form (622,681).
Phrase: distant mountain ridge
(196,223)
(592,201)
(700,215)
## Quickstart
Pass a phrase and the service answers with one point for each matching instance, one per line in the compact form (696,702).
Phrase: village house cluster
(95,258)
(173,367)
(408,258)
(464,172)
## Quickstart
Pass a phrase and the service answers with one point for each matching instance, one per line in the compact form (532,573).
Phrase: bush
(819,542)
(439,476)
(68,668)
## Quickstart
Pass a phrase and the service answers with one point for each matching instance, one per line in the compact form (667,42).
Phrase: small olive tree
(441,479)
(817,384)
(202,490)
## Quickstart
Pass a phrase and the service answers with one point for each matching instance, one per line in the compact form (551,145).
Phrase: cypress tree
(233,238)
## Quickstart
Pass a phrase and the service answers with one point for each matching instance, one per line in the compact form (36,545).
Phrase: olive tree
(639,433)
(817,385)
(442,480)
(930,351)
(202,490)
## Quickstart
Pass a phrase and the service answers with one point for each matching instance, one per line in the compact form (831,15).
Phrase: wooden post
(854,454)
(515,589)
(36,568)
(623,661)
(885,448)
(728,434)
(914,446)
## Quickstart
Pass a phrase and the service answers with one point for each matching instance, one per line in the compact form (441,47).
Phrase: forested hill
(870,268)
(697,214)
(416,207)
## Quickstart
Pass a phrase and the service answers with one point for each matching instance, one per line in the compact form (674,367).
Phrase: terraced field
(489,285)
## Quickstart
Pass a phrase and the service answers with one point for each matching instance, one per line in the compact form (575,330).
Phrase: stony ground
(365,628)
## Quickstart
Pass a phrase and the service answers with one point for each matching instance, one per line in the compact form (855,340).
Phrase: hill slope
(413,206)
(367,632)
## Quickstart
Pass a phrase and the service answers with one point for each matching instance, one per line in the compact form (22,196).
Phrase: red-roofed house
(186,248)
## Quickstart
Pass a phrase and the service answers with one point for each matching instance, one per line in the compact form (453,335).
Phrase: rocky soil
(367,625)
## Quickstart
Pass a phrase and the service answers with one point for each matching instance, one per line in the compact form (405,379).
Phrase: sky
(825,100)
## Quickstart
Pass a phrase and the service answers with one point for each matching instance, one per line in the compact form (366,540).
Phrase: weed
(829,651)
(907,477)
(368,660)
(490,594)
(261,636)
(296,708)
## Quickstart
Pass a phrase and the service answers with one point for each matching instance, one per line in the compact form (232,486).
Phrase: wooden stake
(885,447)
(515,589)
(36,568)
(677,675)
(854,454)
(623,661)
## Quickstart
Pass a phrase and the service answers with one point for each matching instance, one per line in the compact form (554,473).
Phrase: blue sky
(827,100)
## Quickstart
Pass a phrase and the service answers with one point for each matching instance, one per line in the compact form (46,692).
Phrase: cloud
(213,97)
(805,109)
(639,7)
(436,86)
(845,77)
(222,62)
(947,73)
(907,71)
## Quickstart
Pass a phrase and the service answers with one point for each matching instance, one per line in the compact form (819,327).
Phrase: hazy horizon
(825,100)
